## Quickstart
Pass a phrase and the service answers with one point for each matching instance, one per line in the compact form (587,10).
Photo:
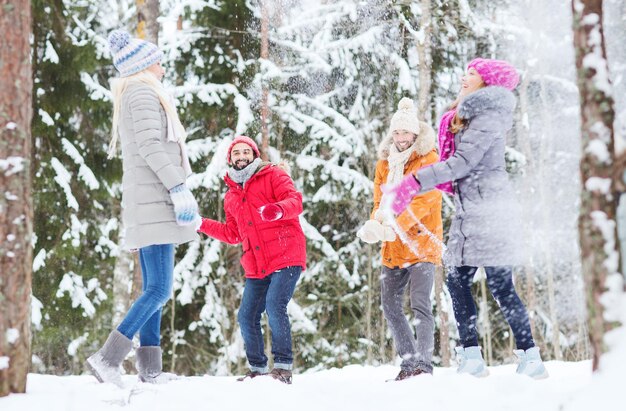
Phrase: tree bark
(147,25)
(16,211)
(597,228)
(544,152)
(425,62)
(529,233)
(444,338)
(265,138)
(484,314)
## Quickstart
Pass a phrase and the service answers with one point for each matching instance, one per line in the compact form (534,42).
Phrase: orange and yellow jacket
(424,228)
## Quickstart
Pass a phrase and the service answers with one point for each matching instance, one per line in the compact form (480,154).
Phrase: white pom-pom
(118,39)
(405,104)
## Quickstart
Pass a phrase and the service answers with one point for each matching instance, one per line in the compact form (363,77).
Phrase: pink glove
(402,194)
(271,212)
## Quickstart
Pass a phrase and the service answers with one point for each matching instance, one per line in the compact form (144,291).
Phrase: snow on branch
(84,172)
(63,178)
(324,246)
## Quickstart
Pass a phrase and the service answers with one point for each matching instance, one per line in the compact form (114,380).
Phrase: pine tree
(74,185)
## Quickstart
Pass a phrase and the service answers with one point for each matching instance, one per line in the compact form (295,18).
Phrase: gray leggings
(415,354)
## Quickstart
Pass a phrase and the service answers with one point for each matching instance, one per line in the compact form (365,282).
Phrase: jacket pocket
(247,260)
(277,240)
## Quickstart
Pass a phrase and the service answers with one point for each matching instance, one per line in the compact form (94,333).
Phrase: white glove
(388,233)
(371,232)
(185,205)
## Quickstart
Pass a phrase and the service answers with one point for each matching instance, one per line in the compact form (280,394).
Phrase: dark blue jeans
(144,316)
(271,293)
(500,283)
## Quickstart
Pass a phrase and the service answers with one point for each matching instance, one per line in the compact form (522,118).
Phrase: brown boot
(251,374)
(404,374)
(281,375)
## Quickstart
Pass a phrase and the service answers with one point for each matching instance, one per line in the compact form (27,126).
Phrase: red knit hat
(243,139)
(495,72)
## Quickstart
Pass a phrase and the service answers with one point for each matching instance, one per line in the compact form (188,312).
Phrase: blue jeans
(144,316)
(271,293)
(500,283)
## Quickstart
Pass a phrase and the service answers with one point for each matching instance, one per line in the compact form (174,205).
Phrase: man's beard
(402,148)
(241,164)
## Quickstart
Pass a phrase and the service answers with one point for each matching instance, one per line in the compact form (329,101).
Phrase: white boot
(530,363)
(150,366)
(471,361)
(105,363)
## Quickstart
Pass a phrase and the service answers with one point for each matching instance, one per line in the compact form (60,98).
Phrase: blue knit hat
(131,55)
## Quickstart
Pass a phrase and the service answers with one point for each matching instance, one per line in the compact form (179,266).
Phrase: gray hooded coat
(152,165)
(485,230)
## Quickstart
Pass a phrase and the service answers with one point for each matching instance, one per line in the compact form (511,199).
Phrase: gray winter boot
(105,363)
(150,366)
(471,361)
(531,364)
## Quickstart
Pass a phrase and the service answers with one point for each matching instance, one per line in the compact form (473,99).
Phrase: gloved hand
(371,232)
(271,212)
(388,233)
(185,205)
(402,193)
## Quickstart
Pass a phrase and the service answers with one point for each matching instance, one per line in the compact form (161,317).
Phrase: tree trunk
(265,138)
(122,276)
(597,229)
(484,314)
(444,338)
(529,233)
(16,211)
(425,62)
(545,151)
(147,25)
(368,310)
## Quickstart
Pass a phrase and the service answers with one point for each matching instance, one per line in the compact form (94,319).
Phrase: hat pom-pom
(405,104)
(118,39)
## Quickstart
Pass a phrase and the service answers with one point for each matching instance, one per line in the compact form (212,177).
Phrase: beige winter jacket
(152,165)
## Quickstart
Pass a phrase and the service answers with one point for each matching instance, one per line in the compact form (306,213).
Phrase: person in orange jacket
(411,241)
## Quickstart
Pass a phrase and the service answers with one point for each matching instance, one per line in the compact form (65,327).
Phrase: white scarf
(176,133)
(397,161)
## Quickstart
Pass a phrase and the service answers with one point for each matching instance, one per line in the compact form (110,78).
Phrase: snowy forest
(315,83)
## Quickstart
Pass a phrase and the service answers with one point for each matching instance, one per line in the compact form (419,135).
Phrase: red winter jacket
(268,246)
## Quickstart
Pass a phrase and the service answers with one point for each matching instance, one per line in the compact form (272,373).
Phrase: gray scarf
(241,176)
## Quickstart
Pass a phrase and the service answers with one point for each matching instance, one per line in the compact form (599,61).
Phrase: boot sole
(101,380)
(93,371)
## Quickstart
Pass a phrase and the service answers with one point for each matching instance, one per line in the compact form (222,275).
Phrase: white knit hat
(131,55)
(405,118)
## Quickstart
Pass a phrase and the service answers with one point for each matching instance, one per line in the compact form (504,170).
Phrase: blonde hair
(118,88)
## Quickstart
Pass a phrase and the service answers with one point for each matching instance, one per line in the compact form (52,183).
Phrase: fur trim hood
(424,143)
(491,98)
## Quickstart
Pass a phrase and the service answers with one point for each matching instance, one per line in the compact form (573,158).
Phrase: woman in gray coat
(158,210)
(484,229)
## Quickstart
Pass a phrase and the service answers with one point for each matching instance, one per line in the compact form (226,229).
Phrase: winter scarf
(397,160)
(241,176)
(446,145)
(176,133)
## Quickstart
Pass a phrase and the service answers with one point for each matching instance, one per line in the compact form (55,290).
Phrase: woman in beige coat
(159,211)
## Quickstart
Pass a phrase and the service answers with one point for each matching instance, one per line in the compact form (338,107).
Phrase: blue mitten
(185,205)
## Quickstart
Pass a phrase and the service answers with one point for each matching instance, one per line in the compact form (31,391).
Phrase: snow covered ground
(570,387)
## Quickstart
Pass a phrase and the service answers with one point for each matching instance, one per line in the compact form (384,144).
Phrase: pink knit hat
(243,139)
(495,72)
